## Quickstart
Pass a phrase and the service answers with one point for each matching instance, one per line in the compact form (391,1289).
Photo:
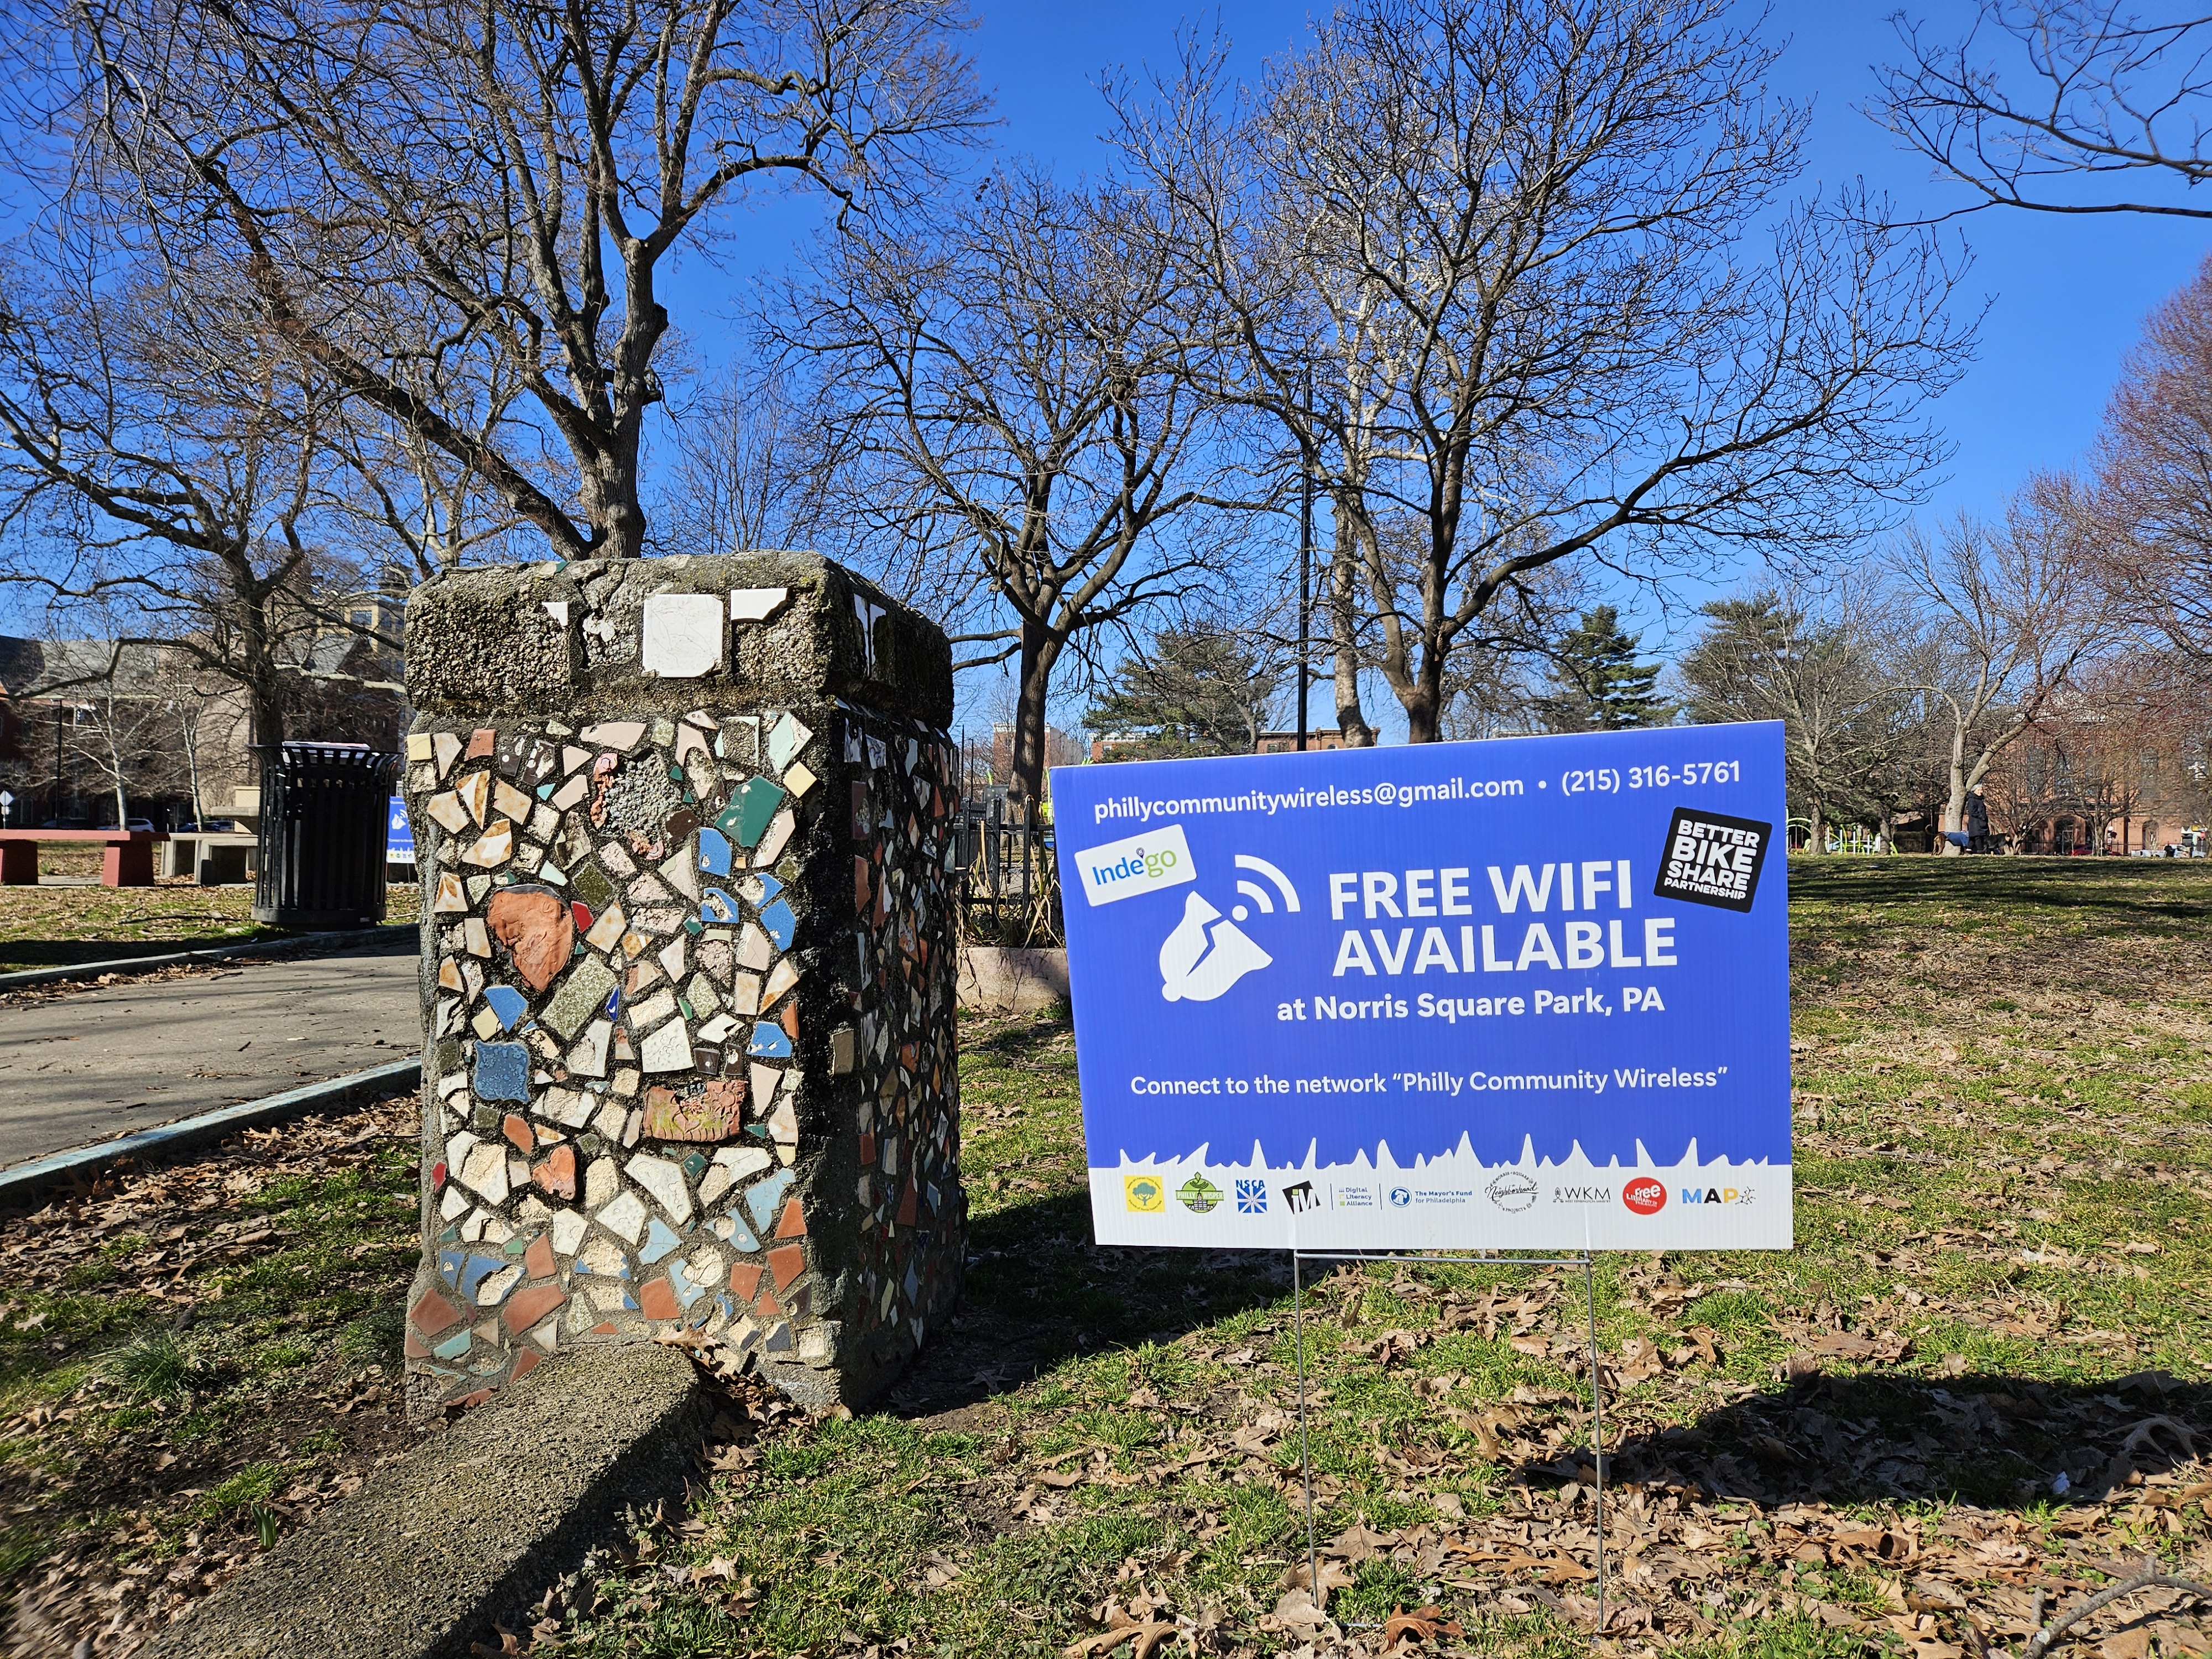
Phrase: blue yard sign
(1531,994)
(398,835)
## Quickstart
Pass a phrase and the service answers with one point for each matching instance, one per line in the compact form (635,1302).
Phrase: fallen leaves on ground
(171,1402)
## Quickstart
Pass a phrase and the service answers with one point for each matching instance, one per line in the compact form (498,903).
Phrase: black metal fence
(1009,881)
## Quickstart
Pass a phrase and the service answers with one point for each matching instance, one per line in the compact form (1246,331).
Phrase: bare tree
(393,182)
(1836,667)
(158,464)
(747,471)
(2154,494)
(1025,446)
(1513,247)
(2040,96)
(2014,610)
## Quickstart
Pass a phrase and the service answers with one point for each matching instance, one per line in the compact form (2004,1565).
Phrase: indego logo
(1139,864)
(1646,1195)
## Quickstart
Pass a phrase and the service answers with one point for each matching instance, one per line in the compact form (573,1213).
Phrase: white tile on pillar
(682,634)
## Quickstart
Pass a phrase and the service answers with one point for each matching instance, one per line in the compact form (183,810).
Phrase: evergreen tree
(1198,691)
(1598,685)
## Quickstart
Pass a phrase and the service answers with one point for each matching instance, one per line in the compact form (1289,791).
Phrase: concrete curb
(25,978)
(472,1526)
(355,1088)
(1002,980)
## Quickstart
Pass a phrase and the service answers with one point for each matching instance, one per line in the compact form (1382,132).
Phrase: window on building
(358,619)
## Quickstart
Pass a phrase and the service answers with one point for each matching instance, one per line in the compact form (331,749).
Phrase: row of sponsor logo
(1511,1190)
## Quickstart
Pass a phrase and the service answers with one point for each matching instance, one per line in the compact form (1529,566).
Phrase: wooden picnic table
(127,862)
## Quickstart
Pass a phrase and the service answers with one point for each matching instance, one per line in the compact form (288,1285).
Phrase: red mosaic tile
(469,1401)
(432,1314)
(745,1279)
(526,1308)
(791,1019)
(538,1259)
(657,1299)
(518,1133)
(525,1363)
(480,744)
(605,1327)
(906,1209)
(768,1307)
(536,928)
(787,1262)
(416,1348)
(558,1174)
(794,1224)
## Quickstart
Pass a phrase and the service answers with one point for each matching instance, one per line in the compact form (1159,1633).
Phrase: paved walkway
(104,1061)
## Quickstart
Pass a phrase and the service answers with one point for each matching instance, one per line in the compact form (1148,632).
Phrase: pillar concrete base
(688,975)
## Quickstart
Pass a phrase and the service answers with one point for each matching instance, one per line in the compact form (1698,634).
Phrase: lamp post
(1305,566)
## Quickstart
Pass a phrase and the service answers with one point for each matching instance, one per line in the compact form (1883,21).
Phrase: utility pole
(1305,564)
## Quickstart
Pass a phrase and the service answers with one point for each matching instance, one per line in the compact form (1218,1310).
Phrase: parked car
(212,827)
(146,825)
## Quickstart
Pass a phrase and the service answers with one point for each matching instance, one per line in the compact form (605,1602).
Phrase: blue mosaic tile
(718,906)
(781,924)
(503,1072)
(769,1043)
(740,1234)
(686,1293)
(474,1273)
(509,1004)
(695,1165)
(714,853)
(454,1346)
(765,1198)
(658,1242)
(768,887)
(449,1264)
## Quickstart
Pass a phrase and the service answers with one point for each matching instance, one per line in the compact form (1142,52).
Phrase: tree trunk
(1343,611)
(1955,807)
(1816,839)
(189,730)
(1040,651)
(1424,705)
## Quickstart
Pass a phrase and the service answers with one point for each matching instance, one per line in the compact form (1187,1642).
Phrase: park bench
(127,862)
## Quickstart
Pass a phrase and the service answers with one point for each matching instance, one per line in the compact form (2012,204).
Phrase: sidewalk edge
(24,1181)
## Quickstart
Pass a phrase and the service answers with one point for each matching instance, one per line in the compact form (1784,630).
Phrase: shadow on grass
(1039,1292)
(1993,1440)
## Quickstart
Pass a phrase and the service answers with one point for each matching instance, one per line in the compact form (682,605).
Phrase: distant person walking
(1975,823)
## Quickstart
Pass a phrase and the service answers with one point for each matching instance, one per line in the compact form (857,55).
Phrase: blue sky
(2067,294)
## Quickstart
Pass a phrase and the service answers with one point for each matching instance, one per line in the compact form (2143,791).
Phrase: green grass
(171,1351)
(2002,1165)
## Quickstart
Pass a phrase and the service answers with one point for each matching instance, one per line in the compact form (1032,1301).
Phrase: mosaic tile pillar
(684,826)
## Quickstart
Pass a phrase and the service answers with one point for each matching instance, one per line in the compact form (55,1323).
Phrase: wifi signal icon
(1258,895)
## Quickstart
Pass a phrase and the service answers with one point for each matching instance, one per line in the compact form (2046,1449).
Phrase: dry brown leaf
(1145,1638)
(1421,1624)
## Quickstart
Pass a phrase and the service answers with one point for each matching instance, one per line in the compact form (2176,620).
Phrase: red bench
(128,861)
